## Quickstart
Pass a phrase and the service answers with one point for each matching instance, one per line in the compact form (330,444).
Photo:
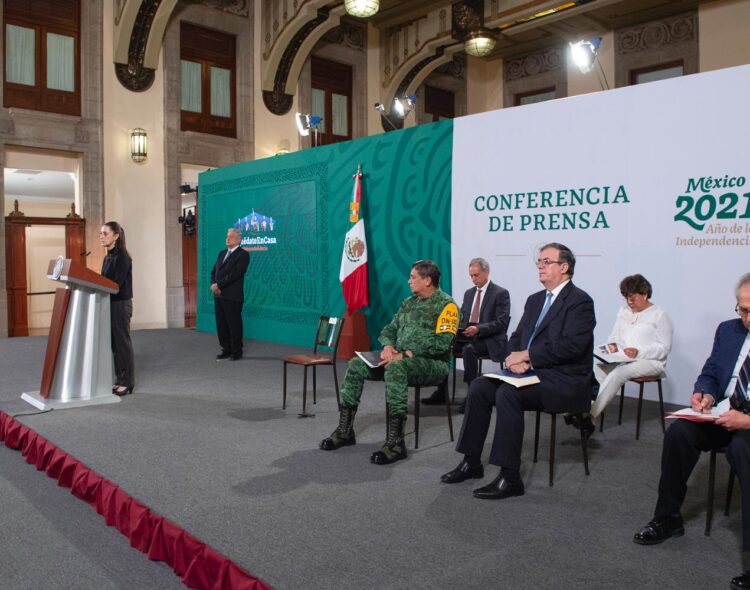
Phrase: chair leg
(417,403)
(661,407)
(553,428)
(730,485)
(711,481)
(455,370)
(449,414)
(638,413)
(315,388)
(336,384)
(536,437)
(622,400)
(283,399)
(584,448)
(304,391)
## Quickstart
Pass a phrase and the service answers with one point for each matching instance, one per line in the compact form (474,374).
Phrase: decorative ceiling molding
(351,35)
(236,7)
(532,65)
(456,68)
(655,35)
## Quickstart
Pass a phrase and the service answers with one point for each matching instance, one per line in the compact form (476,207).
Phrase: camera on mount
(188,223)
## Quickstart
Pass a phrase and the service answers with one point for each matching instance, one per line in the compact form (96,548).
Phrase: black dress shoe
(660,529)
(499,488)
(463,472)
(223,355)
(741,582)
(235,356)
(462,407)
(436,399)
(586,425)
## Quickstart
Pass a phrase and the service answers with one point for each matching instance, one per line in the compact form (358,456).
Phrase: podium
(78,362)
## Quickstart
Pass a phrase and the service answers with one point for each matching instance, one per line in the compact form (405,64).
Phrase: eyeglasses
(546,262)
(741,311)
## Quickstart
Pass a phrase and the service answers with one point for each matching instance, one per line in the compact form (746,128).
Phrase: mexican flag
(353,274)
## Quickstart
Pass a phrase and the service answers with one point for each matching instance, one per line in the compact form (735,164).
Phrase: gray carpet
(207,445)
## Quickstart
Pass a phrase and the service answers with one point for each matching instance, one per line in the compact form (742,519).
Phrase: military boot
(394,447)
(343,436)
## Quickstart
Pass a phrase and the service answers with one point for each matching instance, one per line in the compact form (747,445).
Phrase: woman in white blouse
(645,332)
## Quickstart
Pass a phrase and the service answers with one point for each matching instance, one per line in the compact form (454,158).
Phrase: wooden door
(15,262)
(15,278)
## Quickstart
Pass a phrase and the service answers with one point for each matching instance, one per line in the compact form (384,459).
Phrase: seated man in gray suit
(485,315)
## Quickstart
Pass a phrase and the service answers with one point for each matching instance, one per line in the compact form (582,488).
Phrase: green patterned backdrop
(406,189)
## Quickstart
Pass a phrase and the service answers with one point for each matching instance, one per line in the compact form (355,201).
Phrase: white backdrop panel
(521,176)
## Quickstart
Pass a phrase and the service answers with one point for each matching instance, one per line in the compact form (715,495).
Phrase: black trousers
(684,442)
(510,404)
(229,325)
(122,347)
(470,350)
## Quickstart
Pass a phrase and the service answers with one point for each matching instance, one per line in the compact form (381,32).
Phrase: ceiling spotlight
(480,42)
(361,8)
(307,122)
(404,105)
(584,53)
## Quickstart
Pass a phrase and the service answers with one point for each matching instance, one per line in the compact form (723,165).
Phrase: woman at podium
(118,267)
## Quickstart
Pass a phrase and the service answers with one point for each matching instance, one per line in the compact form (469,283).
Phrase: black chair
(641,381)
(711,485)
(417,407)
(553,429)
(327,335)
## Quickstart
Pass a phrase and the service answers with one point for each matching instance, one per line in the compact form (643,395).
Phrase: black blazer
(494,317)
(230,275)
(562,350)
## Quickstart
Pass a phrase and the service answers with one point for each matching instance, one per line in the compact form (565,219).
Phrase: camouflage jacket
(424,326)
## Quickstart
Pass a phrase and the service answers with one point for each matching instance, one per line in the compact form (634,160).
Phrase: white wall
(272,132)
(134,194)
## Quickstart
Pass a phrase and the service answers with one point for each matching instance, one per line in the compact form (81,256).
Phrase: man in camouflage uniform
(416,350)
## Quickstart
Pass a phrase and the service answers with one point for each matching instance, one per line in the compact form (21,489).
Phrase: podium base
(42,403)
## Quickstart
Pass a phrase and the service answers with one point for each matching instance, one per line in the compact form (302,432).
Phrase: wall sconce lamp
(585,54)
(138,145)
(480,42)
(362,8)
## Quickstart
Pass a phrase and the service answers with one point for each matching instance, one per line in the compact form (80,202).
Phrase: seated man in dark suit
(485,314)
(725,376)
(555,339)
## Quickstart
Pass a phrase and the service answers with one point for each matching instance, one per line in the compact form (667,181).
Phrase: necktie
(227,256)
(474,319)
(545,309)
(739,397)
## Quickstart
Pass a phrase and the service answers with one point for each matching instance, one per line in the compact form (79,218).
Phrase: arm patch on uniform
(448,320)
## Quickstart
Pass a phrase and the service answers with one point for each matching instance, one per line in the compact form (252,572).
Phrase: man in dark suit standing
(228,287)
(555,339)
(485,314)
(725,376)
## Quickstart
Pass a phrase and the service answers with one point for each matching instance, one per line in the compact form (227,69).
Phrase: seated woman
(645,332)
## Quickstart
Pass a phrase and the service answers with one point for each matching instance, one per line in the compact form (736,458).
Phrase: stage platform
(206,445)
